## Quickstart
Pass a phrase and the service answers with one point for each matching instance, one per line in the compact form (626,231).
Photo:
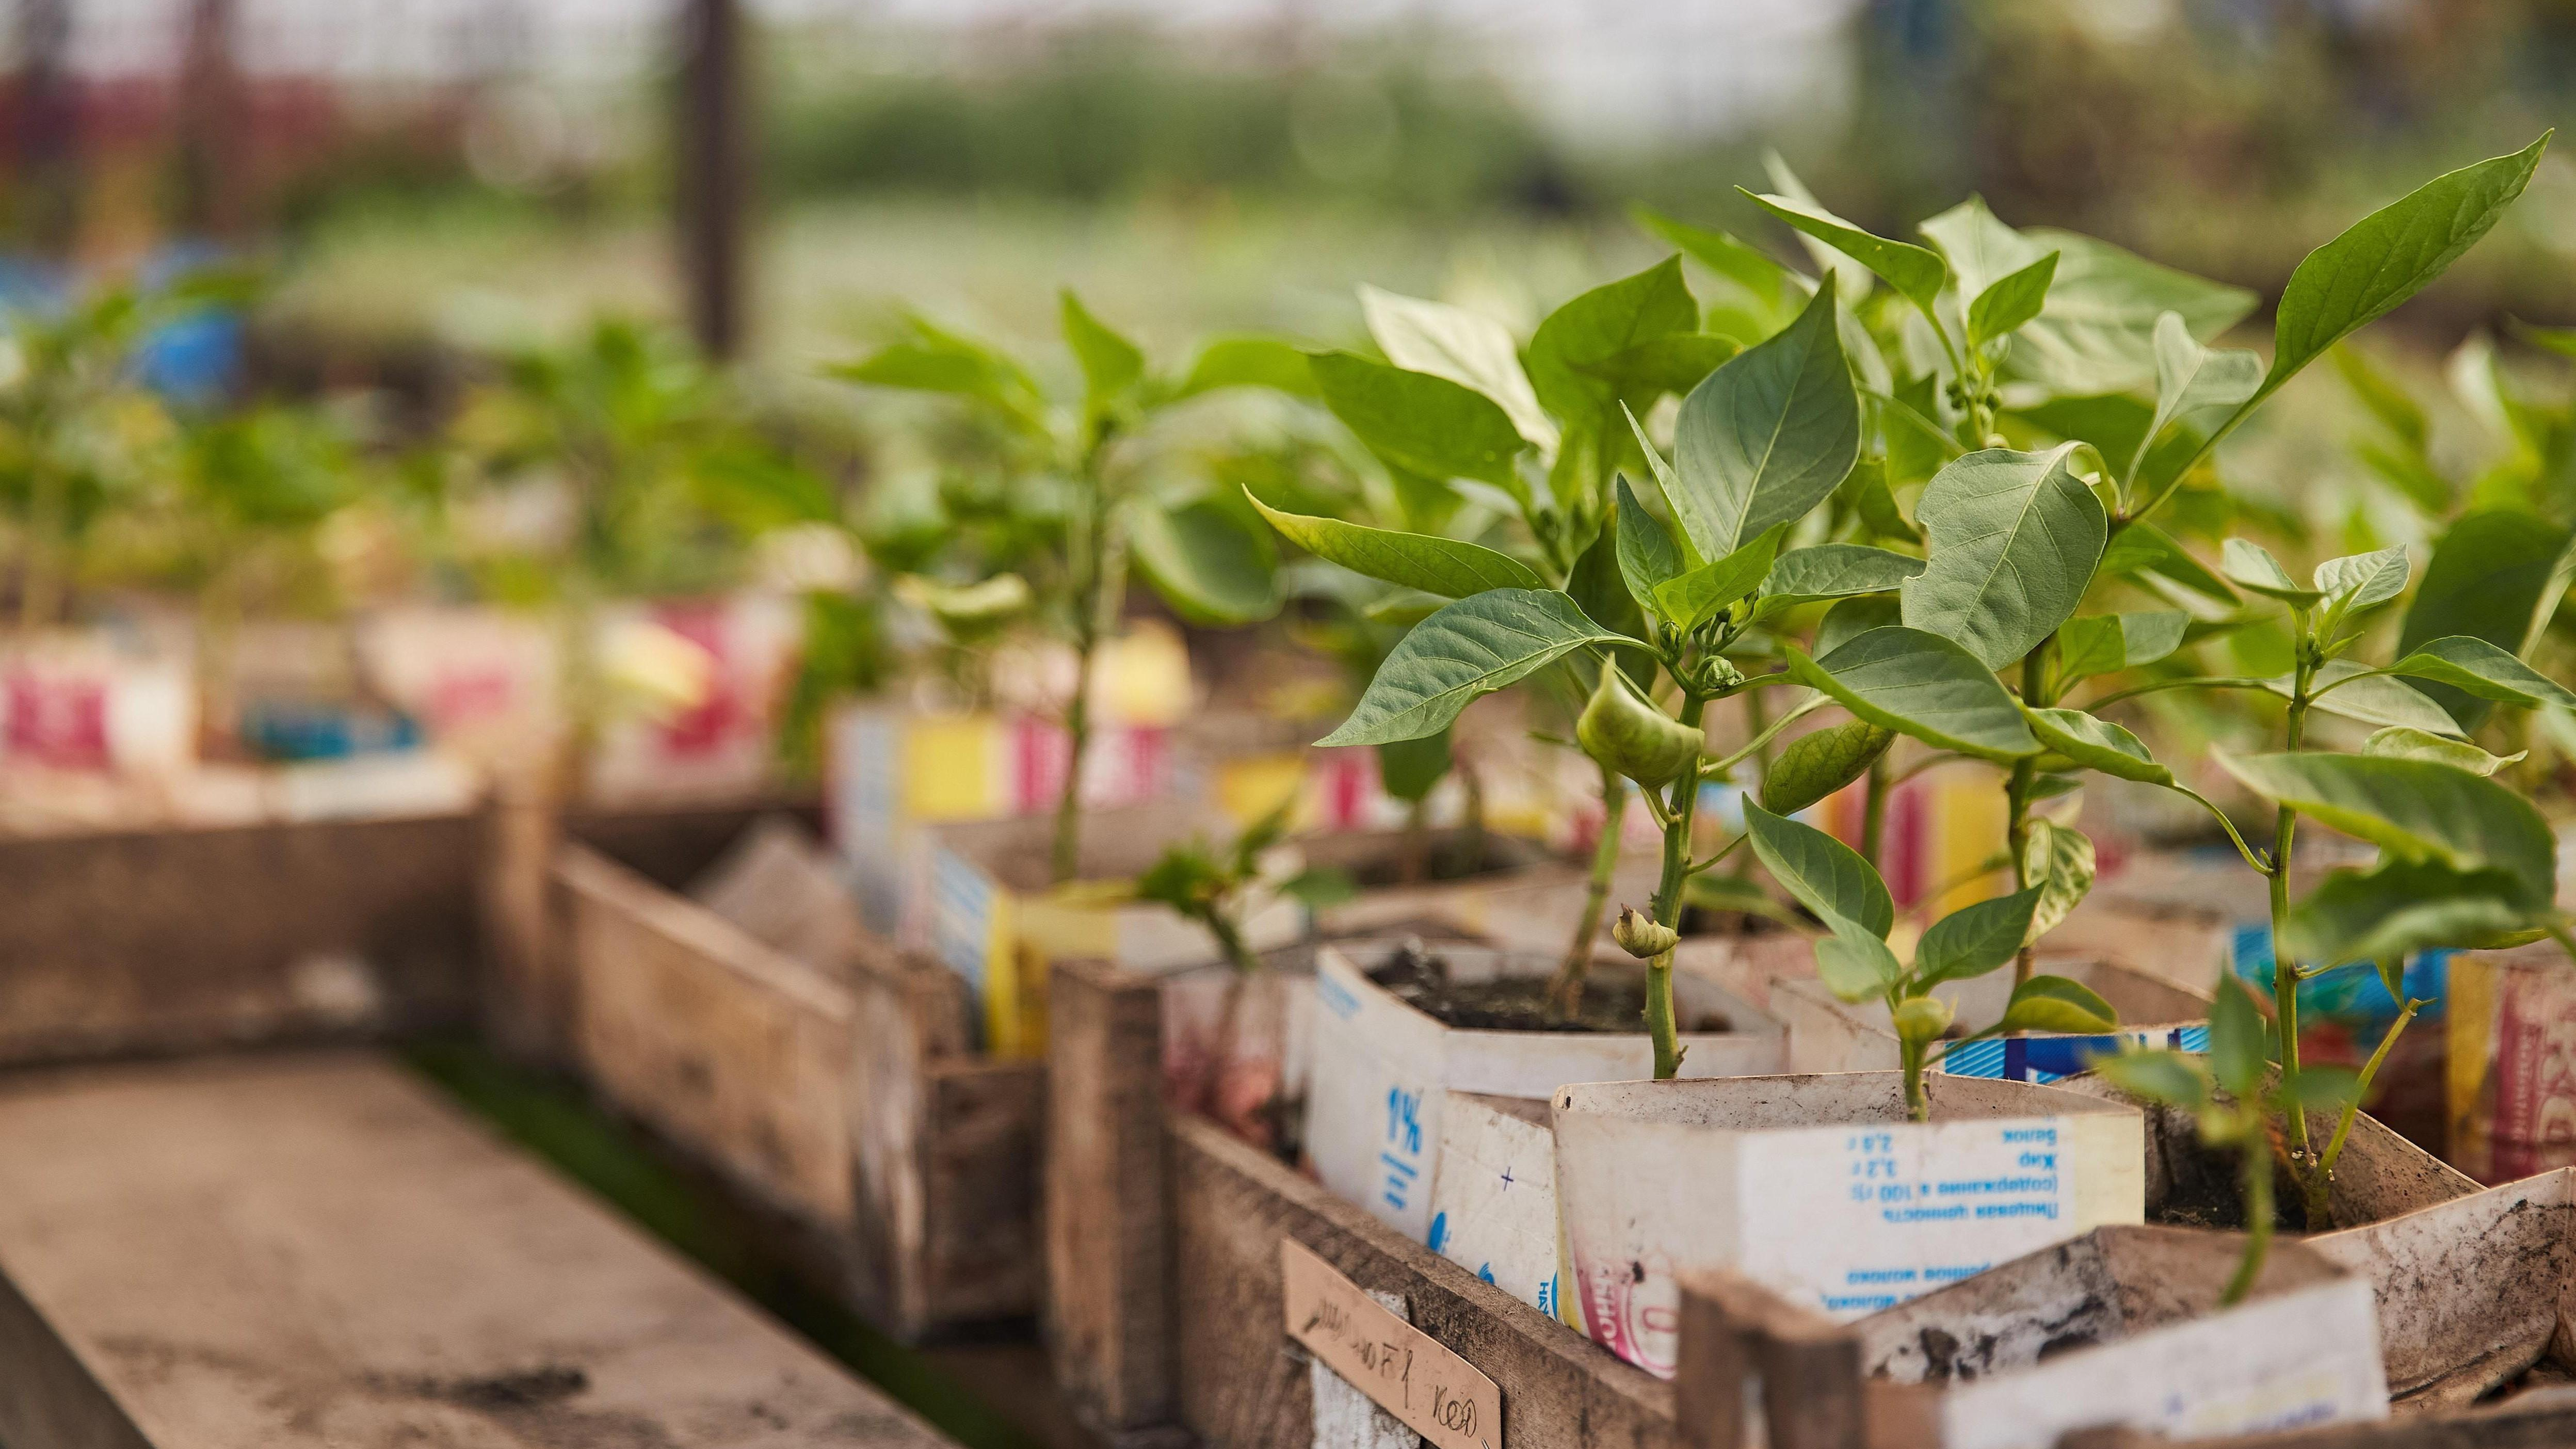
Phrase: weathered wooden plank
(1244,1386)
(1108,1308)
(310,1250)
(187,940)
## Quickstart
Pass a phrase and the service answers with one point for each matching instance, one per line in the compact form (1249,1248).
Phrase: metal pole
(49,119)
(714,171)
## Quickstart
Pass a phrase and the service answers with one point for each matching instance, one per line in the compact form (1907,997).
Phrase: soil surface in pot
(2204,1189)
(1419,978)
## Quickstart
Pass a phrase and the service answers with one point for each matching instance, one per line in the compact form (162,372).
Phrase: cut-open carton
(1829,1034)
(1383,1069)
(1819,1188)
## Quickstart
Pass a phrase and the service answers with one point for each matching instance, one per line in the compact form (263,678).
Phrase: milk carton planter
(838,1093)
(1828,1034)
(985,907)
(2120,1329)
(1383,1068)
(1819,1188)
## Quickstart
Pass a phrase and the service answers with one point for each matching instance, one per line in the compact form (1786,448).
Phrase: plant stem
(2285,972)
(2258,1220)
(1873,813)
(1680,810)
(1566,992)
(2369,1069)
(2017,802)
(1091,590)
(1918,1104)
(1066,855)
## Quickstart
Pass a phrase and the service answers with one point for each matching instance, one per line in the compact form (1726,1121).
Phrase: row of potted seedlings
(1903,1136)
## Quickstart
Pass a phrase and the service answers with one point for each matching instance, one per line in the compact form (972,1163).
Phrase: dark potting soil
(2203,1190)
(1420,979)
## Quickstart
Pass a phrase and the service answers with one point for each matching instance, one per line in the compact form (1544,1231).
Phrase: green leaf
(2389,256)
(1816,764)
(1917,273)
(2091,644)
(1767,437)
(2097,333)
(2145,548)
(2370,697)
(942,362)
(2059,860)
(1250,362)
(1647,554)
(1467,348)
(1110,363)
(1674,364)
(2477,667)
(2236,1041)
(2014,538)
(2002,309)
(1212,565)
(2397,742)
(2322,1089)
(1701,592)
(1320,887)
(1604,323)
(1820,872)
(1834,571)
(2362,581)
(2400,907)
(2053,1003)
(1981,250)
(1975,939)
(1853,964)
(1408,770)
(1748,267)
(2415,810)
(2400,414)
(1865,493)
(2097,744)
(2173,1078)
(1920,1019)
(1602,595)
(1921,685)
(1852,618)
(2191,378)
(1448,567)
(2249,565)
(2495,575)
(1417,421)
(1469,649)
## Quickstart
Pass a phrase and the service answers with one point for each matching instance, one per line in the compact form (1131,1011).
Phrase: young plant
(1856,963)
(1469,426)
(2232,1094)
(1084,473)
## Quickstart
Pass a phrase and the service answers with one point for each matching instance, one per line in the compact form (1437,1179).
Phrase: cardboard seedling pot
(839,1092)
(1478,901)
(1493,1202)
(1383,1069)
(987,910)
(1828,1034)
(2123,1326)
(1819,1188)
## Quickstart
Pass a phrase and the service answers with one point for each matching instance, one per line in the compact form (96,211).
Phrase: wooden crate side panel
(188,940)
(1108,1236)
(731,1050)
(980,1161)
(1244,1384)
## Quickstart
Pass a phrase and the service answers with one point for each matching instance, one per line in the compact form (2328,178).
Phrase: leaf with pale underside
(1767,437)
(2249,565)
(1418,421)
(2054,1003)
(1921,685)
(1469,649)
(2400,907)
(2145,548)
(1917,273)
(1646,552)
(2004,308)
(1835,571)
(2097,744)
(1449,567)
(2480,668)
(2014,539)
(2191,378)
(1468,348)
(2362,581)
(1693,596)
(2401,743)
(2091,644)
(2414,810)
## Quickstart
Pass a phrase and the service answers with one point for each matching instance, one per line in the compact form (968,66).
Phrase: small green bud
(1922,1018)
(1631,736)
(1642,936)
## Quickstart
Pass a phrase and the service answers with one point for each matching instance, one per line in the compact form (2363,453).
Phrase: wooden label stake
(1441,1396)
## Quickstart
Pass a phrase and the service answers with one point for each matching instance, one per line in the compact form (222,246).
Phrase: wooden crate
(1165,1300)
(844,1095)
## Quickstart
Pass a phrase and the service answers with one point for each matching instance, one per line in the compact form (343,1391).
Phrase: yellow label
(1969,814)
(1250,787)
(949,768)
(2471,1028)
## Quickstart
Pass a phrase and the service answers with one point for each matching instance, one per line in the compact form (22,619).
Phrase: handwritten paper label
(1439,1395)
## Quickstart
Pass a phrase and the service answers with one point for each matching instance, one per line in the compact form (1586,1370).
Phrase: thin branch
(2201,681)
(2253,859)
(1717,769)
